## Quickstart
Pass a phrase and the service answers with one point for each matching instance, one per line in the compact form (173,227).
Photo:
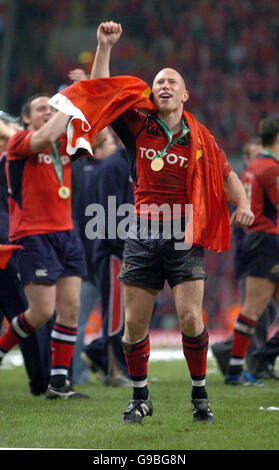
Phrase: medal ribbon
(169,135)
(55,155)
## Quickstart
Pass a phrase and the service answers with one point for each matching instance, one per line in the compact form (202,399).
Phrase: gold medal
(64,192)
(157,164)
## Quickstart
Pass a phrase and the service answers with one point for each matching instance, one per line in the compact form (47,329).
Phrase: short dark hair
(268,130)
(26,108)
(256,140)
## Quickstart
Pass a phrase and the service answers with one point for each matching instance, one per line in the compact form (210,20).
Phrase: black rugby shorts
(148,262)
(261,254)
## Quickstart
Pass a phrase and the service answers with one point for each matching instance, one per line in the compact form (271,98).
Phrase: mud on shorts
(149,262)
(46,257)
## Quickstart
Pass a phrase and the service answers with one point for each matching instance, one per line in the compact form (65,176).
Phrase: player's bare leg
(188,299)
(139,305)
(41,307)
(63,337)
(258,292)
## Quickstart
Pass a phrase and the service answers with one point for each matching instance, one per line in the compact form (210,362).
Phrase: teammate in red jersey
(261,247)
(259,347)
(35,204)
(52,261)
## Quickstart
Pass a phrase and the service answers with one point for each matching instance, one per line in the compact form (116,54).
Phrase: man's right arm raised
(108,34)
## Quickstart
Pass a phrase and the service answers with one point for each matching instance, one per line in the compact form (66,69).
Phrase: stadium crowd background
(227,51)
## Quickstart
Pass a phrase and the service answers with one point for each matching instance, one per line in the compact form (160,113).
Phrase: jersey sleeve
(19,145)
(128,125)
(226,167)
(269,179)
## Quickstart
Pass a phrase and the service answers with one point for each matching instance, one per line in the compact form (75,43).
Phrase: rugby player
(182,181)
(51,262)
(148,262)
(260,248)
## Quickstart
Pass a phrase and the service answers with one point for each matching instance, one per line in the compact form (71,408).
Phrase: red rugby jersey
(34,204)
(261,181)
(143,138)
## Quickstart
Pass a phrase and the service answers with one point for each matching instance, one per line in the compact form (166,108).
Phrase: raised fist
(108,33)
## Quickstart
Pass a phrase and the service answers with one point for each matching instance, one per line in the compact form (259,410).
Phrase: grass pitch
(243,420)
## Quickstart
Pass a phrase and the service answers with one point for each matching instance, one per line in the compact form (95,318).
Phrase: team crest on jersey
(153,129)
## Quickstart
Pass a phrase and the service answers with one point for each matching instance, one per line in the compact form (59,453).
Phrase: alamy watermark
(150,222)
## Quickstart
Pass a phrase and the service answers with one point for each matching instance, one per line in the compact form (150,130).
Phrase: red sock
(137,356)
(18,330)
(62,343)
(195,352)
(244,329)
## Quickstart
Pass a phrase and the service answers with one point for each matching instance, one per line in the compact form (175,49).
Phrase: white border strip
(63,104)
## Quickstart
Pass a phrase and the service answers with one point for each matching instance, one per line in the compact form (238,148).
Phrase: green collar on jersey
(268,153)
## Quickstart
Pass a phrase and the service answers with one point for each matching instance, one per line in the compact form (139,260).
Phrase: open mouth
(165,96)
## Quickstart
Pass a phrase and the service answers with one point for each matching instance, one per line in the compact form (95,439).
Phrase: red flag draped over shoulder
(94,104)
(205,189)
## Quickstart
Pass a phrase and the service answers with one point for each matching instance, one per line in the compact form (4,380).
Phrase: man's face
(169,91)
(40,113)
(254,150)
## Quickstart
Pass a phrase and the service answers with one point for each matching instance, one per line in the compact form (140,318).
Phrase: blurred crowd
(227,51)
